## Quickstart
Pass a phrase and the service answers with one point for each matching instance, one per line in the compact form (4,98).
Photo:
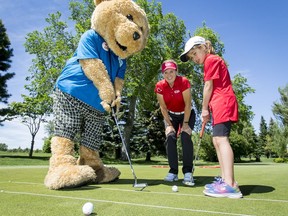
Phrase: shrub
(280,160)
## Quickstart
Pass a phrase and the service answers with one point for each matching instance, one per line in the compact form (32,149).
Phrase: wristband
(186,122)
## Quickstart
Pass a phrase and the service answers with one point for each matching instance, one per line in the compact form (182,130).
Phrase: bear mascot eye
(130,17)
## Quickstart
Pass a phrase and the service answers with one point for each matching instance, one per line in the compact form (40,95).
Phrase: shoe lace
(218,179)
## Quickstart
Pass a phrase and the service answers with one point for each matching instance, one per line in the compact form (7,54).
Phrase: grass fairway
(264,186)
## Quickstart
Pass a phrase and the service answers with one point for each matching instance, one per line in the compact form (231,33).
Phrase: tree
(5,59)
(280,109)
(32,112)
(3,147)
(49,129)
(51,47)
(269,152)
(250,137)
(239,145)
(279,132)
(279,140)
(262,139)
(165,41)
(242,89)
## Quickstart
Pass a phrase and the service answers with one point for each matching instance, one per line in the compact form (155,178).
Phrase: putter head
(141,185)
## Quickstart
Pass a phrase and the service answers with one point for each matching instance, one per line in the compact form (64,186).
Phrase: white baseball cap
(189,45)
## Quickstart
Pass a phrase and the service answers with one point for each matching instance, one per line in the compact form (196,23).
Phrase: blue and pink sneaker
(223,190)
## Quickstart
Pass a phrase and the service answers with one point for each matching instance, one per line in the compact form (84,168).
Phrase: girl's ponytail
(210,48)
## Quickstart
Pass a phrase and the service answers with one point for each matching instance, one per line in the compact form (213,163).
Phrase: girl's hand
(205,116)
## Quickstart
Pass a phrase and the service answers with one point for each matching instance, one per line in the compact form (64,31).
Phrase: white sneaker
(188,179)
(171,177)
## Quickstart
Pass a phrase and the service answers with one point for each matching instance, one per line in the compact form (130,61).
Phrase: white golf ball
(174,188)
(87,208)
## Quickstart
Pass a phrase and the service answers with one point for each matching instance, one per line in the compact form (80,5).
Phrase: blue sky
(254,33)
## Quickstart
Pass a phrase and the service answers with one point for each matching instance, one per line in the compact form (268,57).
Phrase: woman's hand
(186,128)
(169,129)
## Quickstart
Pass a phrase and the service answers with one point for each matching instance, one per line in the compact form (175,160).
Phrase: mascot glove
(106,106)
(117,103)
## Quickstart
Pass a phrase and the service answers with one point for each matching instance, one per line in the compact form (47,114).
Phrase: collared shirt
(72,79)
(173,97)
(223,103)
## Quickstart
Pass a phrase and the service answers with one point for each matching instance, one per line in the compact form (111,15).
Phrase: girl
(220,100)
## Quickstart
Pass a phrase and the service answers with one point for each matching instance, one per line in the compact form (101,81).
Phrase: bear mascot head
(89,85)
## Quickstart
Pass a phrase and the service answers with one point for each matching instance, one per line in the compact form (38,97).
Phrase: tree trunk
(129,126)
(118,151)
(148,156)
(32,146)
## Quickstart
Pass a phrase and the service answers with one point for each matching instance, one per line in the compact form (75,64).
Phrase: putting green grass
(264,186)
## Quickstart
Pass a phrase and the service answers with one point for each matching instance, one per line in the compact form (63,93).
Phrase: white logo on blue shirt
(120,61)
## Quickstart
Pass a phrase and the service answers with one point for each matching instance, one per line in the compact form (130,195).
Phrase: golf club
(135,185)
(199,144)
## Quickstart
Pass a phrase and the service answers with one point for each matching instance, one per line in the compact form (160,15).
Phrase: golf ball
(174,188)
(87,208)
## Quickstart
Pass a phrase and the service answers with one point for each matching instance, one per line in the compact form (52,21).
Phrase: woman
(174,97)
(220,100)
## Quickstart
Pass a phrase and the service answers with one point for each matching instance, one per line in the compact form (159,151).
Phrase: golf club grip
(202,129)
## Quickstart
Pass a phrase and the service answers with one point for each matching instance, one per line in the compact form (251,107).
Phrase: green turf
(264,186)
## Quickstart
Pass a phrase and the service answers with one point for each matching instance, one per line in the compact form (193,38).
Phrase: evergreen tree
(280,132)
(269,139)
(5,60)
(262,139)
(280,109)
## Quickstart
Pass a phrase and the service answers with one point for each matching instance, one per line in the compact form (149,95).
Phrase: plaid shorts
(73,116)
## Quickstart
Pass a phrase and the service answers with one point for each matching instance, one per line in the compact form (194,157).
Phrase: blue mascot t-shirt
(72,79)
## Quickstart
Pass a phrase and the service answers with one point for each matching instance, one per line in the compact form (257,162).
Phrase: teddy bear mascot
(88,86)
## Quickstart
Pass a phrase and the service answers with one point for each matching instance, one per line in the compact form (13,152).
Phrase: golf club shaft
(124,145)
(199,144)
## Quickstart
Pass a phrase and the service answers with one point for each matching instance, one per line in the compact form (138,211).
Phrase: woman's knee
(171,135)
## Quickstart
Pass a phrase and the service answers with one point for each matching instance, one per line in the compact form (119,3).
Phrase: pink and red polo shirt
(223,103)
(173,97)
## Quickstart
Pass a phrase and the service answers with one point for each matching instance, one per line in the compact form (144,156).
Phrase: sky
(254,33)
